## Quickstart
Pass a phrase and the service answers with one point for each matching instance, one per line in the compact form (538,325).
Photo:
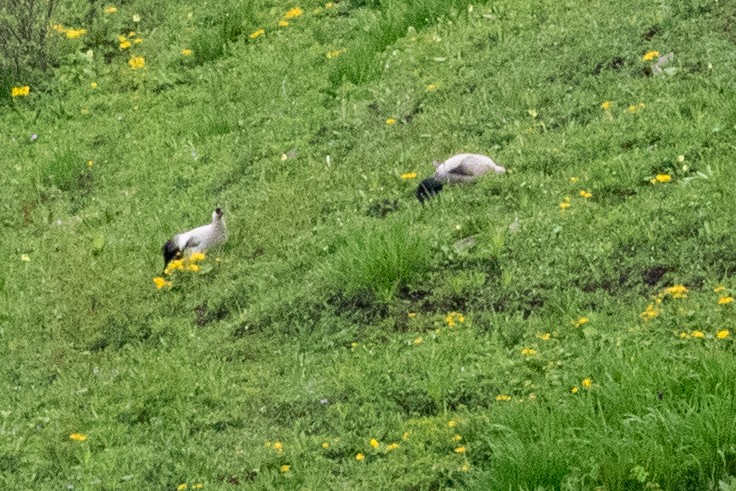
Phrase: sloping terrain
(568,325)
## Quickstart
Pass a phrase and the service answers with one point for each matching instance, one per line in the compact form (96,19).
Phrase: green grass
(324,319)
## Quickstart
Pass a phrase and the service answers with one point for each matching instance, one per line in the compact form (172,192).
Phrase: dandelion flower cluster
(675,291)
(453,318)
(293,13)
(725,300)
(21,91)
(528,352)
(137,62)
(581,321)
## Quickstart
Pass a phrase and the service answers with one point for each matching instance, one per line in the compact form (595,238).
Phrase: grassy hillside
(568,325)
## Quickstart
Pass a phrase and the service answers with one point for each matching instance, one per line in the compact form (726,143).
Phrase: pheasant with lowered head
(198,239)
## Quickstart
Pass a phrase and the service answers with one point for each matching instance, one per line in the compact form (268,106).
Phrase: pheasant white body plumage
(465,167)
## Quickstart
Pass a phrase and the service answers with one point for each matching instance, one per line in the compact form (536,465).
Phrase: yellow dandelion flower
(75,33)
(137,62)
(392,446)
(408,175)
(574,390)
(78,437)
(418,340)
(587,383)
(698,334)
(544,336)
(374,443)
(329,5)
(25,258)
(110,10)
(465,467)
(411,315)
(293,13)
(503,397)
(93,85)
(723,334)
(137,41)
(20,91)
(125,44)
(354,345)
(650,55)
(58,28)
(456,438)
(256,34)
(650,312)
(159,282)
(684,335)
(725,300)
(197,256)
(283,23)
(182,487)
(405,436)
(333,53)
(187,52)
(278,446)
(193,268)
(581,321)
(460,450)
(432,87)
(719,288)
(676,291)
(585,194)
(391,121)
(359,456)
(285,468)
(632,108)
(325,445)
(606,105)
(528,352)
(564,205)
(662,178)
(452,423)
